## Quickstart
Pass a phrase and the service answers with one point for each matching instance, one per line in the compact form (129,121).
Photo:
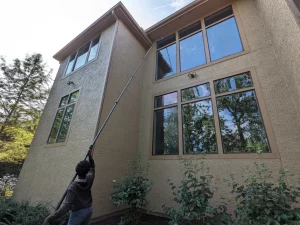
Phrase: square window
(164,100)
(166,62)
(196,92)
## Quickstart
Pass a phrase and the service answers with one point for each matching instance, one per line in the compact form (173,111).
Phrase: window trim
(205,40)
(274,154)
(86,60)
(55,144)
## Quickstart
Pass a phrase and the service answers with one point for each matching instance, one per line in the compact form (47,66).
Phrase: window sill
(218,156)
(79,68)
(202,66)
(55,145)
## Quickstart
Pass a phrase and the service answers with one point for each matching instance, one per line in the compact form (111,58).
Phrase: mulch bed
(147,220)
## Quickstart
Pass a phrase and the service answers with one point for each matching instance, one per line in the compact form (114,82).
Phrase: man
(79,197)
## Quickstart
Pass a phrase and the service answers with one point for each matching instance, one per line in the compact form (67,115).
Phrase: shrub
(132,191)
(7,185)
(260,201)
(193,195)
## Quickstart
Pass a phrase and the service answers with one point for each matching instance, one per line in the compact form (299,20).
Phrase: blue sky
(46,26)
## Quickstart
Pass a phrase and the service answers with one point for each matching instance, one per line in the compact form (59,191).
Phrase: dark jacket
(78,196)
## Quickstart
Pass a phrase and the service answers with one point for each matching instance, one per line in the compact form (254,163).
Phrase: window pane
(55,126)
(81,57)
(94,49)
(166,62)
(192,52)
(224,39)
(166,41)
(233,83)
(164,100)
(199,91)
(64,101)
(71,63)
(241,124)
(218,16)
(65,124)
(165,132)
(190,29)
(74,96)
(199,134)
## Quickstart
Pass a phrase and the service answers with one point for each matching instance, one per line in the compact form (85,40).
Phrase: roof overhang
(100,25)
(183,17)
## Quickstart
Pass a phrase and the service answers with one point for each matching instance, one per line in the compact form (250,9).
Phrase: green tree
(24,88)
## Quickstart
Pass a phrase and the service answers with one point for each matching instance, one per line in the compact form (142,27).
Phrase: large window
(221,116)
(165,132)
(205,41)
(85,54)
(63,117)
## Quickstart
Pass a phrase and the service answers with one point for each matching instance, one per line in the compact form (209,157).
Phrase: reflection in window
(94,49)
(199,134)
(224,39)
(166,62)
(81,56)
(55,126)
(164,100)
(192,52)
(165,132)
(74,96)
(71,63)
(64,101)
(166,41)
(222,14)
(199,91)
(65,124)
(241,123)
(63,117)
(233,83)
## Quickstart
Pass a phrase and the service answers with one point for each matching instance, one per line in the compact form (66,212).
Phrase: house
(221,82)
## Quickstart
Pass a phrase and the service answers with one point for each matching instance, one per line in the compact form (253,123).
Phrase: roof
(101,24)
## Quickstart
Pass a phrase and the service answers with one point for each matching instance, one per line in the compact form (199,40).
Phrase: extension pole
(105,122)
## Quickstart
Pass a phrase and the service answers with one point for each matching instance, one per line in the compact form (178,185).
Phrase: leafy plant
(193,196)
(132,191)
(7,185)
(261,201)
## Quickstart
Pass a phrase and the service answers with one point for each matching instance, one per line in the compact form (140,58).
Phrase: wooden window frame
(274,154)
(64,107)
(205,40)
(87,57)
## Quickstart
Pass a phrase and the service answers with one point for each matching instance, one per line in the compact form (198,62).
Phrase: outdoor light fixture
(70,82)
(192,75)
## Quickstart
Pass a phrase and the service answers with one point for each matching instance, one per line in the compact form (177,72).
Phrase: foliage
(7,185)
(14,149)
(193,196)
(260,201)
(13,213)
(132,191)
(9,168)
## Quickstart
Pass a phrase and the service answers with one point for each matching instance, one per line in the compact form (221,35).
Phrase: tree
(24,88)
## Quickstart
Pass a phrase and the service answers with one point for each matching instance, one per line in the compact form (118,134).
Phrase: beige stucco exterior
(271,35)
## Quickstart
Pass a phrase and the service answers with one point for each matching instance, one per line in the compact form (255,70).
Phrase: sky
(39,26)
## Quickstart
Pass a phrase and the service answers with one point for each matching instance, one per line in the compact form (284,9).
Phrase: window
(166,57)
(165,132)
(85,54)
(221,39)
(63,118)
(220,116)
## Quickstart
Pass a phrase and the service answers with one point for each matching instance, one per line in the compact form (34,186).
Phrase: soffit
(184,17)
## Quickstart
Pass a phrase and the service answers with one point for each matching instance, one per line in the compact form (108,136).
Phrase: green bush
(13,213)
(132,191)
(260,201)
(193,196)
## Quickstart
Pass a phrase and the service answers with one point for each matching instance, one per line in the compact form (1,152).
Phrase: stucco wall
(48,170)
(119,140)
(284,30)
(276,90)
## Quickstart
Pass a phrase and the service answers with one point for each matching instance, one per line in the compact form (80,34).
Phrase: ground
(147,220)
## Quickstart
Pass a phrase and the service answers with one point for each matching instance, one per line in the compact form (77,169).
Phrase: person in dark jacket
(79,196)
